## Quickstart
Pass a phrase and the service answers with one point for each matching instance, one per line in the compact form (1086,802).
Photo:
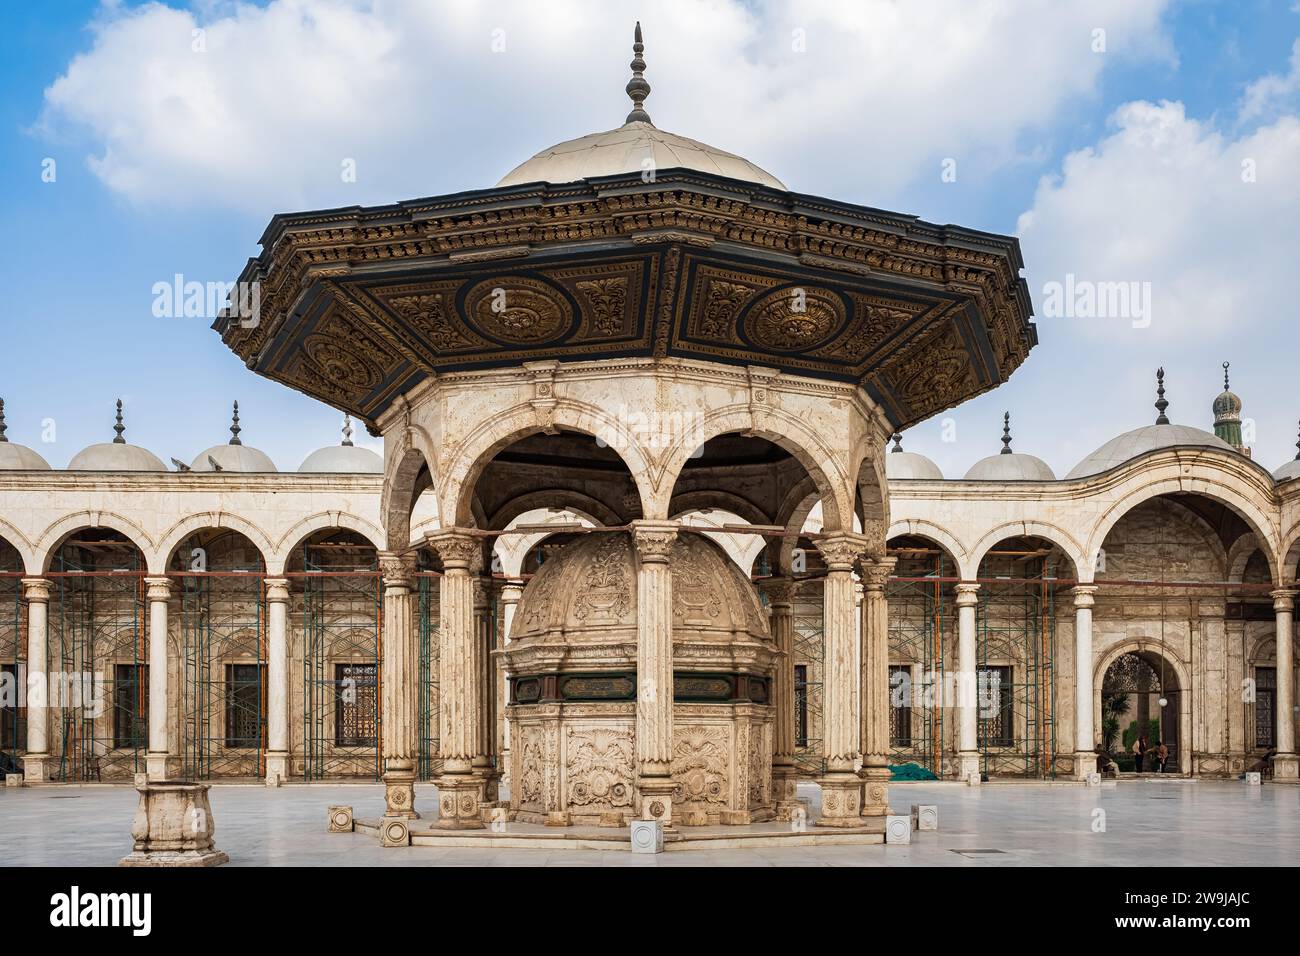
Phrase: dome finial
(637,87)
(347,431)
(898,444)
(3,427)
(234,426)
(1006,433)
(1225,377)
(1161,404)
(119,427)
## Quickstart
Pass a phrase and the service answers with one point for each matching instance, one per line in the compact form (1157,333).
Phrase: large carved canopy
(359,305)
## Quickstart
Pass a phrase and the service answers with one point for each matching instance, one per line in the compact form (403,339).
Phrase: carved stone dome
(588,592)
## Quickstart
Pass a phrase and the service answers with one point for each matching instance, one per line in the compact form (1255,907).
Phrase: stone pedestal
(460,802)
(399,790)
(39,768)
(841,793)
(1085,764)
(1286,768)
(173,826)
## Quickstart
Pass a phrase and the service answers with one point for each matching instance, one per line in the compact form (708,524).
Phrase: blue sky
(1119,164)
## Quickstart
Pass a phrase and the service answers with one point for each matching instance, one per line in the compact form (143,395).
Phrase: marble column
(38,766)
(399,678)
(841,731)
(780,602)
(1286,765)
(158,761)
(968,757)
(654,669)
(277,679)
(874,700)
(1085,754)
(484,760)
(511,593)
(460,792)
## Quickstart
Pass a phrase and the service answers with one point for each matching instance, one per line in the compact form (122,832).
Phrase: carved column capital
(967,595)
(779,591)
(654,540)
(458,548)
(396,569)
(1084,595)
(277,590)
(36,590)
(842,550)
(158,589)
(1283,599)
(875,572)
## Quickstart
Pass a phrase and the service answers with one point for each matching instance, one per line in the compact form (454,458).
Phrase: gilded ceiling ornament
(518,309)
(795,319)
(607,299)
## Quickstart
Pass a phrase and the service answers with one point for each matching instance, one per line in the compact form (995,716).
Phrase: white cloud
(1274,92)
(279,97)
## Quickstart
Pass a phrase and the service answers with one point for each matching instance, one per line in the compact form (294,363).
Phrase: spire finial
(1225,377)
(898,444)
(234,426)
(3,427)
(119,427)
(347,431)
(637,87)
(1161,404)
(1006,433)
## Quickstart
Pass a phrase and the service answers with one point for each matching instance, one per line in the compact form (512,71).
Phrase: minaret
(1227,416)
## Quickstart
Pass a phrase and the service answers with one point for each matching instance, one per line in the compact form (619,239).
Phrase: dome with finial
(1008,465)
(234,455)
(638,146)
(116,455)
(343,458)
(15,457)
(1291,469)
(907,465)
(1144,440)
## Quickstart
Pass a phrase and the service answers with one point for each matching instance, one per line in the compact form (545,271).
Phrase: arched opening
(1016,655)
(922,649)
(221,669)
(97,657)
(1141,700)
(13,659)
(335,603)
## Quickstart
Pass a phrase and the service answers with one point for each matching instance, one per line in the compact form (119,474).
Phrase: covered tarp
(910,771)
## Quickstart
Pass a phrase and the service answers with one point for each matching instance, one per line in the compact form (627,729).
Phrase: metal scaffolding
(920,621)
(99,684)
(223,640)
(427,627)
(1016,661)
(809,657)
(13,660)
(341,628)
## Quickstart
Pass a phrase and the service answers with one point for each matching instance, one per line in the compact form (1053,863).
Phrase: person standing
(1162,757)
(1139,752)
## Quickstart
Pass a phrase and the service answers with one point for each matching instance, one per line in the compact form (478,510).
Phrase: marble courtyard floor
(1147,823)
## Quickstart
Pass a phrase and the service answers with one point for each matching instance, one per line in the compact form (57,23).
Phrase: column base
(968,762)
(460,798)
(875,792)
(1085,762)
(162,766)
(841,800)
(656,797)
(277,766)
(39,768)
(1286,768)
(785,793)
(399,790)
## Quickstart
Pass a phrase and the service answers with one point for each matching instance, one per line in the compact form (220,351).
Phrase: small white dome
(15,457)
(233,458)
(1141,441)
(1288,471)
(908,465)
(632,148)
(1012,467)
(343,459)
(114,456)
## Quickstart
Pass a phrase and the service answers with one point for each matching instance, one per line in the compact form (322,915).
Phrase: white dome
(114,456)
(1288,471)
(1142,440)
(341,459)
(632,148)
(20,458)
(907,464)
(233,458)
(1012,467)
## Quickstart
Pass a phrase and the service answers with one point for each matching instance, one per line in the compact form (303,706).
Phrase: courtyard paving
(1146,823)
